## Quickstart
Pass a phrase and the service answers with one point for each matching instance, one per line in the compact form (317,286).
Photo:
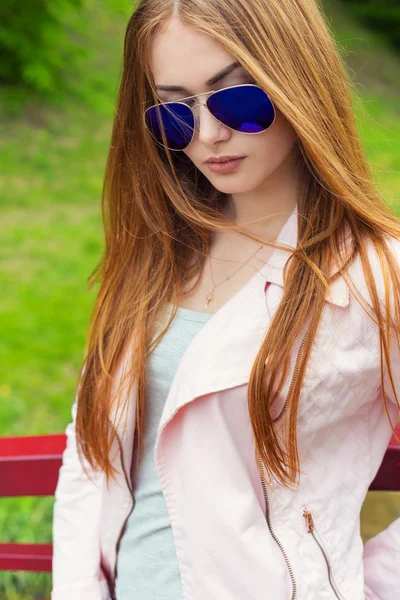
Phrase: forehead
(182,56)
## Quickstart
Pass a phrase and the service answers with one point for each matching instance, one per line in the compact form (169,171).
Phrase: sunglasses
(245,108)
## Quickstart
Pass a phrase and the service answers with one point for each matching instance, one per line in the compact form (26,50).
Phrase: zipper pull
(309,520)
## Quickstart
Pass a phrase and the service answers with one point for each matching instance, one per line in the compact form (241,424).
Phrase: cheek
(278,141)
(193,151)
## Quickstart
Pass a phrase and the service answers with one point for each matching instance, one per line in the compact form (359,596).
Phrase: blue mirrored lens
(178,122)
(245,108)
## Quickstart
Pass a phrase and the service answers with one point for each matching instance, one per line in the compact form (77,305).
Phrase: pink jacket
(235,539)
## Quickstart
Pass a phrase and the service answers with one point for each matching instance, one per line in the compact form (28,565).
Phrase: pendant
(209,297)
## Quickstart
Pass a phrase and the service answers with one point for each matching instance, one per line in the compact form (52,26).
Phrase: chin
(232,187)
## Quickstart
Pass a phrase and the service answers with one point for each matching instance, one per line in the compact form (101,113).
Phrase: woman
(240,381)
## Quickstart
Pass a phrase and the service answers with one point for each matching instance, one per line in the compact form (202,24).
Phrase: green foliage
(384,17)
(37,41)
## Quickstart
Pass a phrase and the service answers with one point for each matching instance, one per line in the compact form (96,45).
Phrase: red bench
(29,467)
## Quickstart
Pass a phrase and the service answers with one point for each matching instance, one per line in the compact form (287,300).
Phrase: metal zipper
(130,512)
(267,507)
(264,487)
(311,529)
(293,381)
(267,504)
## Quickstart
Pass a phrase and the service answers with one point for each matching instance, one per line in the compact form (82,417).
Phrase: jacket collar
(222,353)
(338,294)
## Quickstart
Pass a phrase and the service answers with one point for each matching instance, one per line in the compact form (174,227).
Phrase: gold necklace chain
(209,297)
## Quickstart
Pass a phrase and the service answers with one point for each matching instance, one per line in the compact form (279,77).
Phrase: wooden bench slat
(29,466)
(29,476)
(32,445)
(388,476)
(26,557)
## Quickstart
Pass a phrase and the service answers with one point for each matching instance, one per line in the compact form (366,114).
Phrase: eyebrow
(214,79)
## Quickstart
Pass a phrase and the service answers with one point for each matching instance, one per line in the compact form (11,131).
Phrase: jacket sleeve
(382,564)
(76,570)
(382,552)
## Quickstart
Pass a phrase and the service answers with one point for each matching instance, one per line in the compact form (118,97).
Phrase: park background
(58,87)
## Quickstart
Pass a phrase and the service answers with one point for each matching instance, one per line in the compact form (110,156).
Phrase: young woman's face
(185,58)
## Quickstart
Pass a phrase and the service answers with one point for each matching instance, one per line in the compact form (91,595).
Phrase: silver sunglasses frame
(196,118)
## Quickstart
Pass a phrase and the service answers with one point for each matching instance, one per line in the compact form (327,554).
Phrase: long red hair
(159,213)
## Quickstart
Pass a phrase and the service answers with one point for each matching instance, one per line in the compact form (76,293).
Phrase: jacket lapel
(222,354)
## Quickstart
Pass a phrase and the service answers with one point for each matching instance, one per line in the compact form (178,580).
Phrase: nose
(208,127)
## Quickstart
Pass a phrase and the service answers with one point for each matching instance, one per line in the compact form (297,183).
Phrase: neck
(264,210)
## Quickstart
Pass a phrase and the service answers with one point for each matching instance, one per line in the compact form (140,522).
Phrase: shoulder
(368,282)
(394,244)
(379,273)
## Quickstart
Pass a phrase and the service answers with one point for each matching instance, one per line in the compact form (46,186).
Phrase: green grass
(50,189)
(53,159)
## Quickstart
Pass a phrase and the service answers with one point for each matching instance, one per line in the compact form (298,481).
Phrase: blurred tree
(384,17)
(36,41)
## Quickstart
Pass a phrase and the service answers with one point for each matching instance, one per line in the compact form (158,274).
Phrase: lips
(225,166)
(222,159)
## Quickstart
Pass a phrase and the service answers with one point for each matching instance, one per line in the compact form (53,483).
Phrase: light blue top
(147,565)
